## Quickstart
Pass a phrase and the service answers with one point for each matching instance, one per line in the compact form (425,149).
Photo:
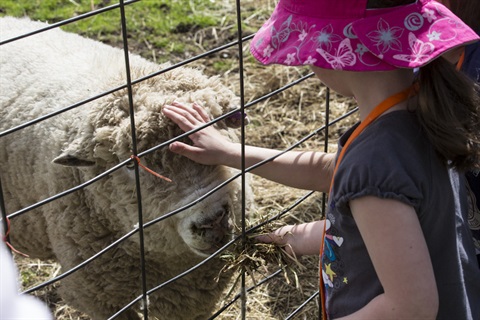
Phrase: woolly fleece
(51,70)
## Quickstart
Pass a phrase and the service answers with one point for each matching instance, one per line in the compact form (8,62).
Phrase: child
(392,246)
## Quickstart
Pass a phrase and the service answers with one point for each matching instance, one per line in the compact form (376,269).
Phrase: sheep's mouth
(213,232)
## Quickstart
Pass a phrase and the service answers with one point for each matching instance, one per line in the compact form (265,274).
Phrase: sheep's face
(209,225)
(204,225)
(210,216)
(205,213)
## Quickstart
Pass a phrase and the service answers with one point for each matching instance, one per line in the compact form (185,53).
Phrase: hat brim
(409,36)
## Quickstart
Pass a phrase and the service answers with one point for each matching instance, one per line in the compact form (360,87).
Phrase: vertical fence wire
(242,126)
(135,152)
(5,237)
(324,195)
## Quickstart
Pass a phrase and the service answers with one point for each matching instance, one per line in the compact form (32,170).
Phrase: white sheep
(54,69)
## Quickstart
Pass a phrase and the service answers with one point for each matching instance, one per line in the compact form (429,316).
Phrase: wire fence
(242,296)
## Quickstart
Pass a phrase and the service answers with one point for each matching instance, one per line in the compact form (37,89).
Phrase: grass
(165,26)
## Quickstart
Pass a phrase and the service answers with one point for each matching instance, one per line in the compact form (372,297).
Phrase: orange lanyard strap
(372,116)
(461,60)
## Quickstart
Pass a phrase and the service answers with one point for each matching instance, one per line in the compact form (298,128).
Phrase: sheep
(43,73)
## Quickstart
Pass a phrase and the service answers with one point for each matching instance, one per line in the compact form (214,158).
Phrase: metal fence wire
(241,296)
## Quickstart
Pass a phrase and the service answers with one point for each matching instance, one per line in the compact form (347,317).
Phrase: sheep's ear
(69,160)
(76,154)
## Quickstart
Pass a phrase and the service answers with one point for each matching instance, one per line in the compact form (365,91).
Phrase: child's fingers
(180,118)
(264,238)
(183,149)
(201,111)
(193,112)
(185,117)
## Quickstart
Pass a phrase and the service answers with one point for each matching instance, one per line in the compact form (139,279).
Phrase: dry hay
(277,122)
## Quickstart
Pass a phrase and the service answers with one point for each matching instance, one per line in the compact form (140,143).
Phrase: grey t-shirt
(393,159)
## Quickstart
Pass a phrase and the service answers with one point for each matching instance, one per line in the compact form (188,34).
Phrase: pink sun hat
(344,35)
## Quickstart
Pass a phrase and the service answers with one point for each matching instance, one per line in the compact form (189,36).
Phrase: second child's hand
(297,240)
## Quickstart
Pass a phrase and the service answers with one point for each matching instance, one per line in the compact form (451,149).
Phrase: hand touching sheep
(209,147)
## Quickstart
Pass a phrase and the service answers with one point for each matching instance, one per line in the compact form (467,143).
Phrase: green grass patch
(165,25)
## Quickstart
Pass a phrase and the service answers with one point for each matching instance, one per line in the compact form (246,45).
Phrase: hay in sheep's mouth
(253,257)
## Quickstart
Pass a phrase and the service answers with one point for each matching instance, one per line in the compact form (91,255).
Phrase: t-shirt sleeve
(385,164)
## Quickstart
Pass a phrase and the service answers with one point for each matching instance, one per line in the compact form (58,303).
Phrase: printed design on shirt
(474,217)
(333,273)
(475,173)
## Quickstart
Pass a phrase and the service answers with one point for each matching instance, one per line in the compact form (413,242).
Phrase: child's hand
(209,147)
(282,237)
(297,240)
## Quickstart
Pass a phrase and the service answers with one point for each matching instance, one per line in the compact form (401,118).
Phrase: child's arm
(397,248)
(304,170)
(298,240)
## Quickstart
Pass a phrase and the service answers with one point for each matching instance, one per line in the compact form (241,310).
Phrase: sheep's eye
(130,165)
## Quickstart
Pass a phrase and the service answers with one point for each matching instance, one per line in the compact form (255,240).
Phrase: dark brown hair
(387,3)
(468,11)
(448,105)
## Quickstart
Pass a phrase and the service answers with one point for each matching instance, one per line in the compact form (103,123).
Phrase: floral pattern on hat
(386,37)
(404,37)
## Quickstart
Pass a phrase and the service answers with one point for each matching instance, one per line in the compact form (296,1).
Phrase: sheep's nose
(214,229)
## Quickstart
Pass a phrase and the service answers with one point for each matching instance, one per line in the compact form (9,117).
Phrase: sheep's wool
(54,69)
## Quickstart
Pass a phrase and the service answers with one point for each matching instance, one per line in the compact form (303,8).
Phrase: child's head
(383,35)
(359,35)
